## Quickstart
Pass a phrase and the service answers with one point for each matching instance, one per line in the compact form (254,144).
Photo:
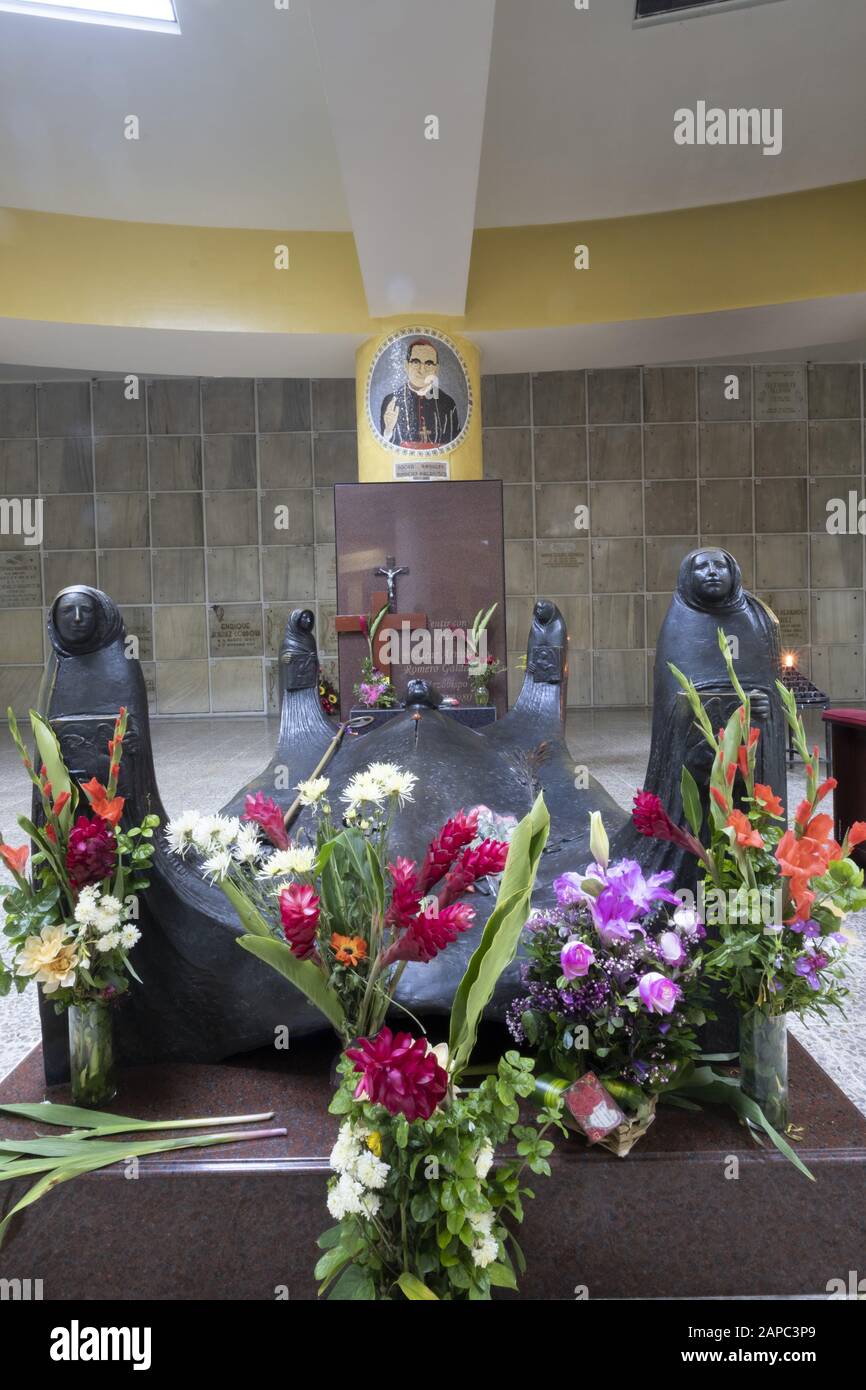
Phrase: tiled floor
(612,743)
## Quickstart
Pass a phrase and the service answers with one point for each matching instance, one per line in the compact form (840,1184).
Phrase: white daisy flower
(363,787)
(218,865)
(394,781)
(297,859)
(108,913)
(129,935)
(247,846)
(312,790)
(179,832)
(109,941)
(481,1222)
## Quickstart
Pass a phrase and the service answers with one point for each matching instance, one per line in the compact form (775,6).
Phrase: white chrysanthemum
(370,1170)
(87,907)
(370,1204)
(481,1222)
(108,913)
(218,865)
(346,1150)
(345,1198)
(297,859)
(129,935)
(364,786)
(484,1252)
(179,832)
(225,831)
(484,1161)
(247,846)
(393,780)
(312,790)
(109,941)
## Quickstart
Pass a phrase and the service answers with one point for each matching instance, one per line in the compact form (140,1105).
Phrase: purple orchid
(809,965)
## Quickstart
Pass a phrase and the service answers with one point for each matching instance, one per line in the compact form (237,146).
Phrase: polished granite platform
(240,1222)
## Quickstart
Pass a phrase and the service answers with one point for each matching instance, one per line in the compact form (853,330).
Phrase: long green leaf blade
(301,973)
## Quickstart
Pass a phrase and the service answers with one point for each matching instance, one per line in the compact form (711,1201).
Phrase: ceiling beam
(406,86)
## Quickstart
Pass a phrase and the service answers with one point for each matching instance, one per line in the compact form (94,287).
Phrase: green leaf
(501,1276)
(414,1289)
(501,935)
(691,801)
(49,751)
(354,1284)
(302,973)
(250,916)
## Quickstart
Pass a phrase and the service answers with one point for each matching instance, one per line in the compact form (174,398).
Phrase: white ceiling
(234,125)
(580,106)
(579,122)
(312,118)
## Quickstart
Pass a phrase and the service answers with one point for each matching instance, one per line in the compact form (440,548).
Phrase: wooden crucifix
(391,622)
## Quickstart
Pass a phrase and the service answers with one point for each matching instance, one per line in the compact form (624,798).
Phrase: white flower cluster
(375,785)
(206,835)
(105,917)
(361,1173)
(312,791)
(485,1247)
(297,859)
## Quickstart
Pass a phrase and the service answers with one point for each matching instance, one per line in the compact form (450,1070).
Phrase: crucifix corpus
(391,622)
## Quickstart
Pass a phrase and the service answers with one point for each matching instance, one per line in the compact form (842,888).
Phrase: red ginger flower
(487,858)
(429,933)
(299,914)
(401,1073)
(650,818)
(267,814)
(406,895)
(455,834)
(91,853)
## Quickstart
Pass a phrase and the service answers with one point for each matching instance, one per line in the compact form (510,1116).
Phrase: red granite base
(241,1223)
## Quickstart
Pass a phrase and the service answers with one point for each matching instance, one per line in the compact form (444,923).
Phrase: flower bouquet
(776,895)
(328,697)
(481,667)
(374,690)
(71,925)
(614,994)
(422,1210)
(336,915)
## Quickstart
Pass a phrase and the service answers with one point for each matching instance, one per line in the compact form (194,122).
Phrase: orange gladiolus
(719,799)
(754,735)
(743,760)
(804,811)
(108,810)
(857,833)
(93,790)
(767,800)
(746,834)
(825,787)
(16,859)
(60,802)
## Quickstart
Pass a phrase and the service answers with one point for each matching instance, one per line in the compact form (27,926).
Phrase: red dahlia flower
(299,914)
(267,814)
(455,834)
(429,933)
(91,853)
(400,1073)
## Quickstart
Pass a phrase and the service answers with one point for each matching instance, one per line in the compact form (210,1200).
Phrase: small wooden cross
(392,622)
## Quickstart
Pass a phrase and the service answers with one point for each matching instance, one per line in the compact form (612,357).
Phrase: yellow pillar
(419,407)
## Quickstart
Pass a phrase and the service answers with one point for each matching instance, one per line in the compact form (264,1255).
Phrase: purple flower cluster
(613,957)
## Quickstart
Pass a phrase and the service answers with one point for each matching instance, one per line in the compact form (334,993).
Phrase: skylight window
(158,15)
(687,9)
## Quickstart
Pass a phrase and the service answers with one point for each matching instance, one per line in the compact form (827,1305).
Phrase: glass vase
(91,1054)
(482,694)
(764,1063)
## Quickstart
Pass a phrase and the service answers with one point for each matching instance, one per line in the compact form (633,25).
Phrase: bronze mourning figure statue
(201,997)
(204,999)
